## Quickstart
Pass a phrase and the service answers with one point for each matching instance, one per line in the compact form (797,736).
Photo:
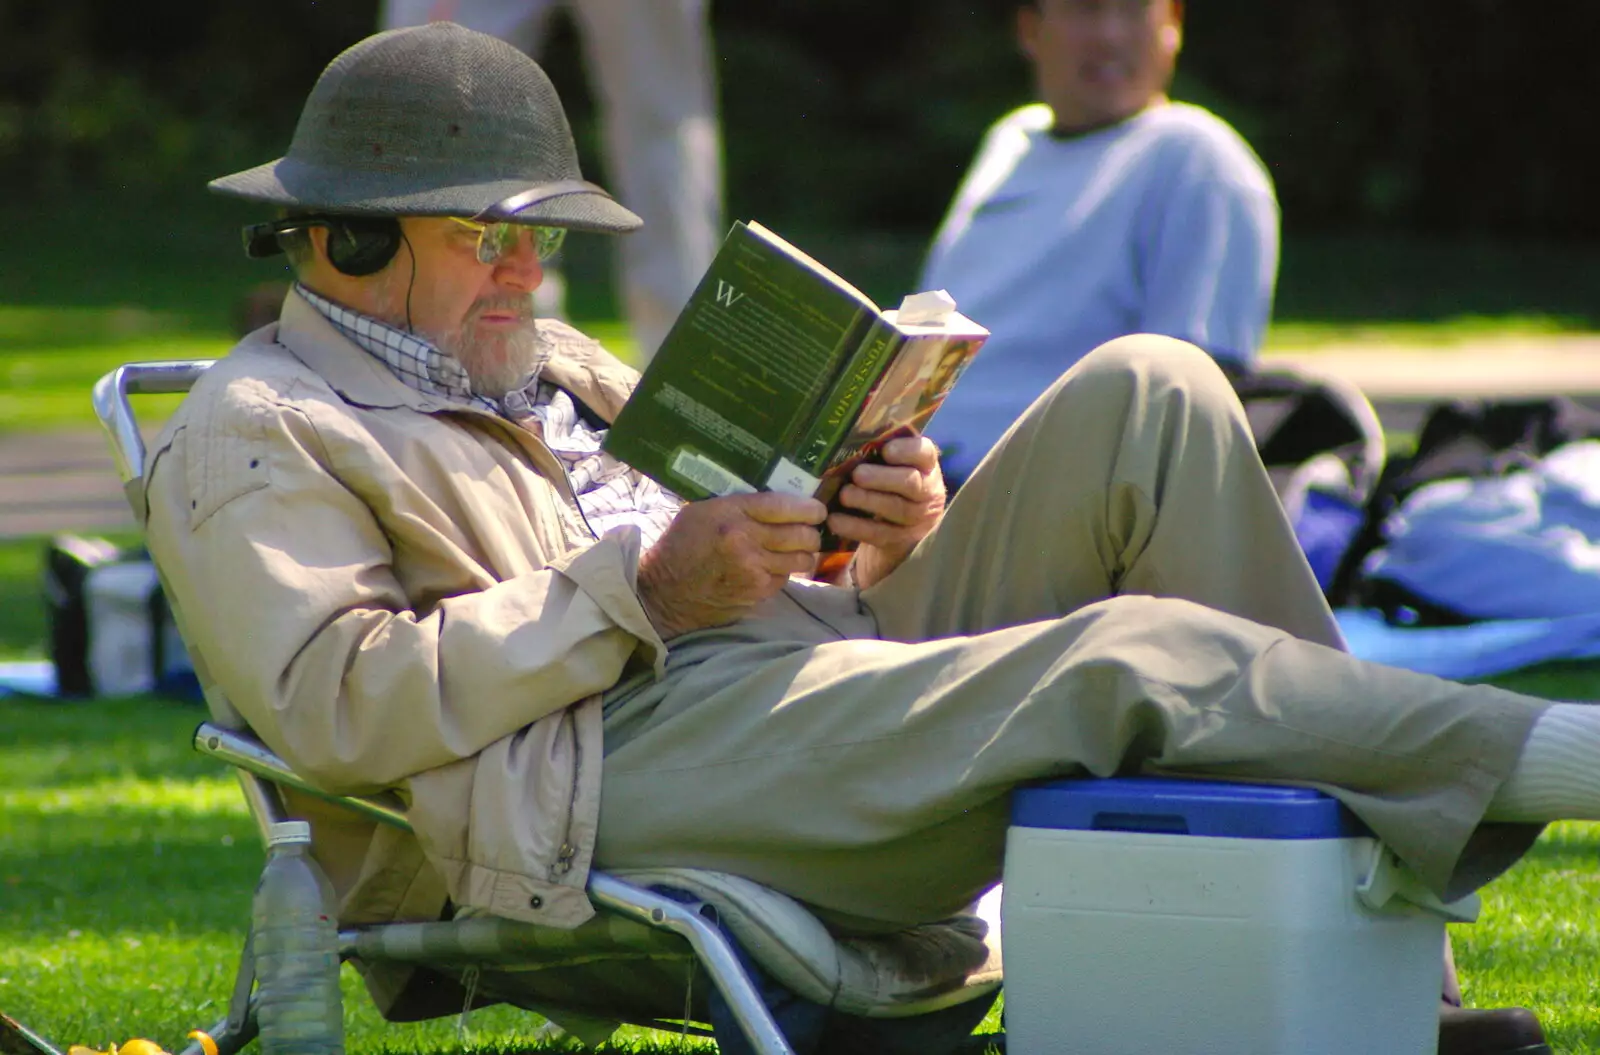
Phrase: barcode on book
(698,469)
(789,479)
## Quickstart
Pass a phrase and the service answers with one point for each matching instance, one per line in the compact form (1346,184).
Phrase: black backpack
(1324,449)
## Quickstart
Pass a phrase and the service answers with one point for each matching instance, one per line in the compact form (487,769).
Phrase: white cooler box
(1146,916)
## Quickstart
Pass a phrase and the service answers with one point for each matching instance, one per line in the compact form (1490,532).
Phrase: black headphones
(357,245)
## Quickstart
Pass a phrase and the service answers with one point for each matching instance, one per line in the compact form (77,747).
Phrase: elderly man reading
(400,553)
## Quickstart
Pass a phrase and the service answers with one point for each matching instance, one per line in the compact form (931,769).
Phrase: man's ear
(1172,32)
(1171,40)
(1028,30)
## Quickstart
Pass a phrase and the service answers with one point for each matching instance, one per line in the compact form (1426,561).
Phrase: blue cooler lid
(1174,806)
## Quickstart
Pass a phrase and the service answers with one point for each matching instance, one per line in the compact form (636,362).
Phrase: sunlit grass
(120,803)
(1442,334)
(42,390)
(51,357)
(126,865)
(127,861)
(22,620)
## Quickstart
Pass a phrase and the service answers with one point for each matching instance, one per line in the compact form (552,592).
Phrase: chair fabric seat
(907,972)
(615,969)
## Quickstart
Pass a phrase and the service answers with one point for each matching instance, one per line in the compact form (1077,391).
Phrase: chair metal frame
(260,773)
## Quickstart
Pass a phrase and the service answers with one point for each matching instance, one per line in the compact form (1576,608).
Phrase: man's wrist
(659,617)
(649,599)
(869,565)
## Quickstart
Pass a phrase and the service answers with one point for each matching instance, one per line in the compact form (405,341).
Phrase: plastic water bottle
(296,951)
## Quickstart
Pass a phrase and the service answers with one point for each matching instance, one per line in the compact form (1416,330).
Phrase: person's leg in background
(651,65)
(520,23)
(649,62)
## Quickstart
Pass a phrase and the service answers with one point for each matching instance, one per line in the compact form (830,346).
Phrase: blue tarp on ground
(1474,651)
(28,677)
(37,678)
(1525,545)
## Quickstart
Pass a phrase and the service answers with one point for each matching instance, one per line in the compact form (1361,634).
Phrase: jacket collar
(358,377)
(577,363)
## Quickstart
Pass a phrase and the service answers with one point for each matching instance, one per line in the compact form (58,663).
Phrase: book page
(811,263)
(905,397)
(929,363)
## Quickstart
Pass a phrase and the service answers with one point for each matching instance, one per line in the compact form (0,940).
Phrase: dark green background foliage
(1459,117)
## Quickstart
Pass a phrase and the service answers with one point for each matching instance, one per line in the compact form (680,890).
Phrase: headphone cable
(412,282)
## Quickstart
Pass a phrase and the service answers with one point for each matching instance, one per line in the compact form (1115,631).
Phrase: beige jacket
(404,601)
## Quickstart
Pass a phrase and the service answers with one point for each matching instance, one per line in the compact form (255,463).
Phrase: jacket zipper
(566,853)
(566,477)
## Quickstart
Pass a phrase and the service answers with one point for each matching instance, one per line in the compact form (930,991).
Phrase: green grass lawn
(126,866)
(87,290)
(51,357)
(127,861)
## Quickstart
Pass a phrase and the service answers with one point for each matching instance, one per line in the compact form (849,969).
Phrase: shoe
(1490,1031)
(1462,1031)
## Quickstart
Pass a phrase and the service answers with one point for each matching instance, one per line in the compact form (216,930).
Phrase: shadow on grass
(1376,277)
(77,879)
(60,744)
(1576,680)
(189,269)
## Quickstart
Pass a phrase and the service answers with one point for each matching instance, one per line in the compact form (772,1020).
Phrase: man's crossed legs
(1115,589)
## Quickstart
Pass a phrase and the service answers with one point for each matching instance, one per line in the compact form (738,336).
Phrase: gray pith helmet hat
(434,120)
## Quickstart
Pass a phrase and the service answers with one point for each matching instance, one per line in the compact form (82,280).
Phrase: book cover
(741,370)
(780,375)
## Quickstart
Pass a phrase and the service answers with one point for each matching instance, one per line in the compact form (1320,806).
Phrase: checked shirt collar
(609,493)
(417,362)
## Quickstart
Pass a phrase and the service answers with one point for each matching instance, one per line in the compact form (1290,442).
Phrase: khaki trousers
(1116,589)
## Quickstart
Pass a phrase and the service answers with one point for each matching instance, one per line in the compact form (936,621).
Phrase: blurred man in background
(1103,210)
(649,62)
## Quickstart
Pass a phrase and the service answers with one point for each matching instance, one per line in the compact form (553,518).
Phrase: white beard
(496,363)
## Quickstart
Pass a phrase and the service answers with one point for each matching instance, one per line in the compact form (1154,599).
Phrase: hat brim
(290,184)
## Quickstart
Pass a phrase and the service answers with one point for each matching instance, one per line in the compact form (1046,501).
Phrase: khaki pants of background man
(1115,588)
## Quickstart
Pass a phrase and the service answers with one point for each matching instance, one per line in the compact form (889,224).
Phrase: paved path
(1402,383)
(65,482)
(58,481)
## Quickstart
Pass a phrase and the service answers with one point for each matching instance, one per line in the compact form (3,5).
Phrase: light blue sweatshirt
(1165,223)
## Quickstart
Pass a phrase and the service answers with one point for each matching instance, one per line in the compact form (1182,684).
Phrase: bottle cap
(288,832)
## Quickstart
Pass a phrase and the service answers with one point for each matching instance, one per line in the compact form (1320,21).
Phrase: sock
(1557,776)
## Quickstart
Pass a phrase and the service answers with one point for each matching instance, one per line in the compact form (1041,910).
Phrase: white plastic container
(124,619)
(121,648)
(1150,917)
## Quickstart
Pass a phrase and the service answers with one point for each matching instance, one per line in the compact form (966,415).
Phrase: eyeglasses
(496,241)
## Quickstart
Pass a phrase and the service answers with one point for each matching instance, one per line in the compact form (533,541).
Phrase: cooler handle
(1388,881)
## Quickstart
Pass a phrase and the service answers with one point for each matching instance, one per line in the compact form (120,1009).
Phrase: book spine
(840,406)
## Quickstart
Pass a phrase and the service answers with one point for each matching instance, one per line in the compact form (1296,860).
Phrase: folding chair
(637,960)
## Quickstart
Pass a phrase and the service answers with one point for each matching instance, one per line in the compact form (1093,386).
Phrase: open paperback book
(779,375)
